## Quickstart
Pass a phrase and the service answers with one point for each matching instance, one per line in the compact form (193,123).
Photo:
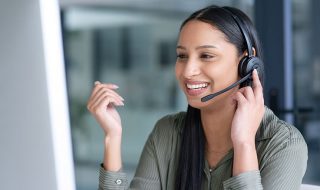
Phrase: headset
(246,65)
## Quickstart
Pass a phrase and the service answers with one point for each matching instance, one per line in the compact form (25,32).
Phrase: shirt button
(118,181)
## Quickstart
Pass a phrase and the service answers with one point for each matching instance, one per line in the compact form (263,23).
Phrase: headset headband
(244,33)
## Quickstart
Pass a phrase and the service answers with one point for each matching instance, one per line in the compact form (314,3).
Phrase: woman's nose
(192,69)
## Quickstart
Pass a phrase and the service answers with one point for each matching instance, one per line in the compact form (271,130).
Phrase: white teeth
(196,86)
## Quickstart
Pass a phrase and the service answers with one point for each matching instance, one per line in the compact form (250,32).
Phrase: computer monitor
(35,141)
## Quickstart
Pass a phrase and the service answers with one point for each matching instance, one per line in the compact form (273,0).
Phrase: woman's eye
(182,56)
(206,56)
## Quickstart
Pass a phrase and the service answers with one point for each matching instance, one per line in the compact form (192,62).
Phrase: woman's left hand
(249,112)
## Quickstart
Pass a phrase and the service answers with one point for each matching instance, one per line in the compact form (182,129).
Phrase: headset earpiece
(246,66)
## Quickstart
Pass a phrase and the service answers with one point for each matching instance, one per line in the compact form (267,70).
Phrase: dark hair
(223,21)
(191,158)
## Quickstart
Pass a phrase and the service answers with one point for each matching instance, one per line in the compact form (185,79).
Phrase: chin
(196,103)
(215,103)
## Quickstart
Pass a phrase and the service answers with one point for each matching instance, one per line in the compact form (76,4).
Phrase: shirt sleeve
(283,171)
(112,180)
(247,181)
(147,174)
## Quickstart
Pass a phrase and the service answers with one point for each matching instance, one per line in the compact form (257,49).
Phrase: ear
(254,51)
(244,54)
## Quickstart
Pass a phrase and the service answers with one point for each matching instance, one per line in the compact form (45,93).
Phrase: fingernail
(96,82)
(115,86)
(255,70)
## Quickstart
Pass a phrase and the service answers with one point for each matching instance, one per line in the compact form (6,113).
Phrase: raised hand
(246,121)
(249,112)
(102,104)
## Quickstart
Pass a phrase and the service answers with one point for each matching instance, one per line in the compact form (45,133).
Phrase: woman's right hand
(102,104)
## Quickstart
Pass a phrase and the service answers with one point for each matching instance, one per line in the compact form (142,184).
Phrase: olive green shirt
(281,150)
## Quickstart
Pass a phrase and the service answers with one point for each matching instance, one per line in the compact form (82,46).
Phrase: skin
(101,104)
(203,55)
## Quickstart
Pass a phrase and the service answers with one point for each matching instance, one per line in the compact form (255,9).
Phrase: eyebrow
(199,47)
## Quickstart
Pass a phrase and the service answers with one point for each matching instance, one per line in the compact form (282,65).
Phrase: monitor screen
(35,143)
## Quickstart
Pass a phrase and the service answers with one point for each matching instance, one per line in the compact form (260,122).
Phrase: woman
(229,142)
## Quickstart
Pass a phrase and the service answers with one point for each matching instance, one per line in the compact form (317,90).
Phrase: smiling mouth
(196,86)
(196,89)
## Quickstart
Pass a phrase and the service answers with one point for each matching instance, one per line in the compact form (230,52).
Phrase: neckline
(227,157)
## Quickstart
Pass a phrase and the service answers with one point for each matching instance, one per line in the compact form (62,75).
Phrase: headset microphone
(210,96)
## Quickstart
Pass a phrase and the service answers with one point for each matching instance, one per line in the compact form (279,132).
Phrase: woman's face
(206,63)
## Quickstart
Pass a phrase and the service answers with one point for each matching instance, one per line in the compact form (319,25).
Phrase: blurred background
(132,44)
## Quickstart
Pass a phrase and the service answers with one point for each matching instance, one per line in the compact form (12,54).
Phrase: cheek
(215,71)
(178,70)
(223,74)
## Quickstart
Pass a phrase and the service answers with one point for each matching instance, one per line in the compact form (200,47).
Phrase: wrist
(113,134)
(112,154)
(245,158)
(113,141)
(244,145)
